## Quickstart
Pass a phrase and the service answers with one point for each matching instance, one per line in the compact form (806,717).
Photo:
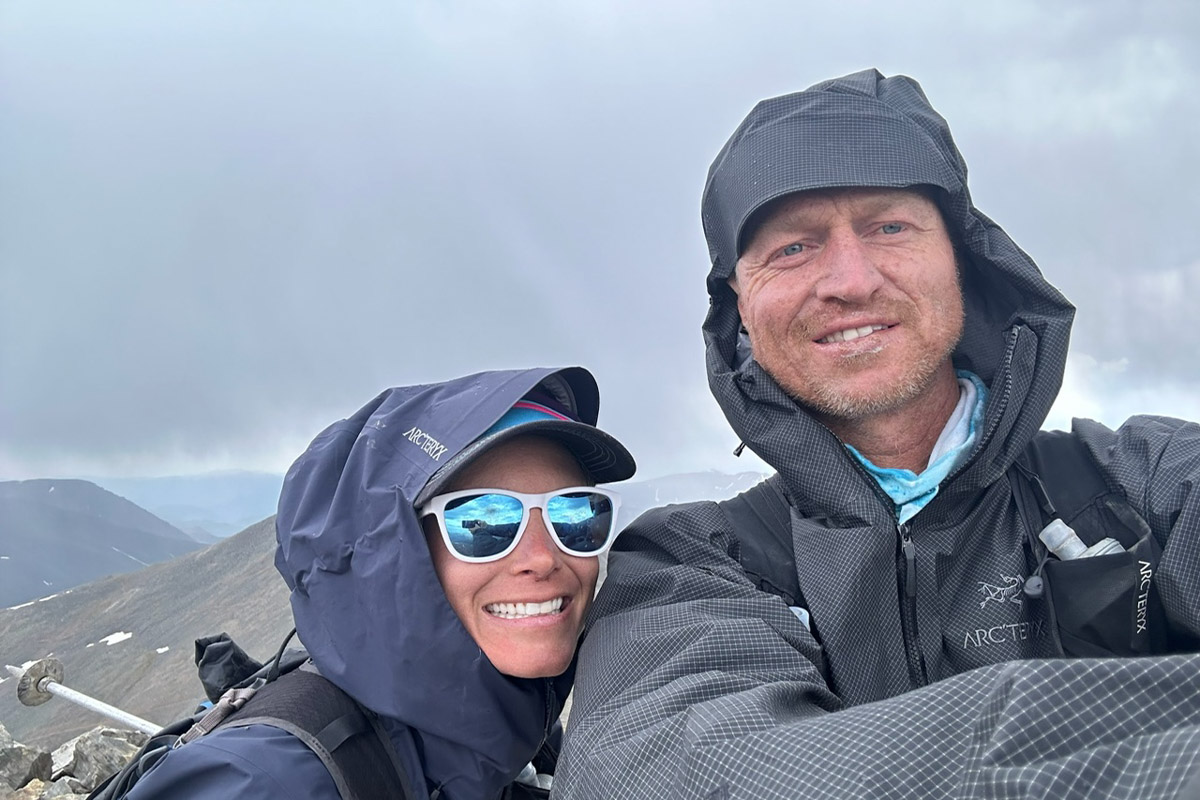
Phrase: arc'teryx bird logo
(1009,591)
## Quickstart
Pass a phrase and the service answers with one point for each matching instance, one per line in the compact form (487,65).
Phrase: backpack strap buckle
(230,702)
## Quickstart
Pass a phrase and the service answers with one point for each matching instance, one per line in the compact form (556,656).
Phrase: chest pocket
(1101,605)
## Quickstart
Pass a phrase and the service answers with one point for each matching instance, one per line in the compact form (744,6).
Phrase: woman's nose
(536,552)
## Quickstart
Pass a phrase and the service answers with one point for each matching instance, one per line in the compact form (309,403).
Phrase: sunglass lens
(482,525)
(582,520)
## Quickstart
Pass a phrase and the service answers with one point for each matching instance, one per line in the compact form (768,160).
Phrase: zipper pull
(910,562)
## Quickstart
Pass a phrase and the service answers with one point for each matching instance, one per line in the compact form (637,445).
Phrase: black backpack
(1099,606)
(287,693)
(1102,605)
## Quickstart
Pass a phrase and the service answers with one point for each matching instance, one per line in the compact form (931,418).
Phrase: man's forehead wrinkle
(800,212)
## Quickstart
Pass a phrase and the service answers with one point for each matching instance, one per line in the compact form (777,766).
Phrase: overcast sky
(224,225)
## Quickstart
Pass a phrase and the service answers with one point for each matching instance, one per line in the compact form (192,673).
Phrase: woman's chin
(549,666)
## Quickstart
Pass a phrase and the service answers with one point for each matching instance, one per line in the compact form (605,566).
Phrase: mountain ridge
(59,533)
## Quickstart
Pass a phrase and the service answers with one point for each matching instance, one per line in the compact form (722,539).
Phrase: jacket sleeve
(693,684)
(257,762)
(1156,460)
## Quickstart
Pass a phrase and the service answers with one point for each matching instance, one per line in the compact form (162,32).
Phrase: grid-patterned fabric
(694,684)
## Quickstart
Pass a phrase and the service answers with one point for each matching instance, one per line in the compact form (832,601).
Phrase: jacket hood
(366,599)
(869,130)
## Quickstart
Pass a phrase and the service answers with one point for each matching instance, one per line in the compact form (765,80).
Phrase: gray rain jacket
(695,684)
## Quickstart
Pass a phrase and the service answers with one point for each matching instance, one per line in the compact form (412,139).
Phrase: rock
(31,791)
(20,764)
(100,752)
(62,790)
(61,758)
(39,790)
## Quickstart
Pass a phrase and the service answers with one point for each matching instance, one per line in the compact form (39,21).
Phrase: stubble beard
(830,399)
(833,401)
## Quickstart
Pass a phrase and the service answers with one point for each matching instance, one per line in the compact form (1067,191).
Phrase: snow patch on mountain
(114,638)
(132,558)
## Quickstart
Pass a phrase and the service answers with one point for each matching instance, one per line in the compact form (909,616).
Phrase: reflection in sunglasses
(486,525)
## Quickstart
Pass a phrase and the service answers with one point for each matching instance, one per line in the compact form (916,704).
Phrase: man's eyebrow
(882,205)
(796,219)
(785,221)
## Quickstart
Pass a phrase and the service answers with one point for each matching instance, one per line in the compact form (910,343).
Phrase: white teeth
(522,610)
(850,334)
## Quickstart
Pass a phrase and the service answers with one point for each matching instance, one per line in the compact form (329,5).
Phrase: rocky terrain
(70,771)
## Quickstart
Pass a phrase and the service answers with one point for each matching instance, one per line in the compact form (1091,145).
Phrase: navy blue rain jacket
(371,612)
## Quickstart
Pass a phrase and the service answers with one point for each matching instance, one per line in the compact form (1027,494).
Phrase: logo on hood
(429,445)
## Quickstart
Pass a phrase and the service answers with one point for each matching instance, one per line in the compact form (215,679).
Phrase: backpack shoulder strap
(1069,476)
(761,519)
(346,737)
(1059,472)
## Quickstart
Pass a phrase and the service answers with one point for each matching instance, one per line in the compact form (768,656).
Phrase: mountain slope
(231,586)
(56,534)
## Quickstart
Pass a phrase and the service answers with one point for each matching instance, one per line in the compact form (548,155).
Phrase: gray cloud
(224,225)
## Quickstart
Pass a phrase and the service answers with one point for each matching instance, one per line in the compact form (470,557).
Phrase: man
(892,353)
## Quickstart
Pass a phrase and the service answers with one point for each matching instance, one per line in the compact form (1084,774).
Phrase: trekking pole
(43,680)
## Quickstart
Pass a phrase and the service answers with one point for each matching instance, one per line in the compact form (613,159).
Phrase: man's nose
(536,552)
(850,273)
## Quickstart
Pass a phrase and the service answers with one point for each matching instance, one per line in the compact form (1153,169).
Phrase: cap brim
(604,458)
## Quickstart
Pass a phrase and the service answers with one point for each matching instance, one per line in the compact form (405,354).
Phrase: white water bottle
(1103,547)
(1061,539)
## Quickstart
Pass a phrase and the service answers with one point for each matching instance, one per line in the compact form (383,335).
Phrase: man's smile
(850,334)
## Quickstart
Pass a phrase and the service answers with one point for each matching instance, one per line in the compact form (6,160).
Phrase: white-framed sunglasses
(480,525)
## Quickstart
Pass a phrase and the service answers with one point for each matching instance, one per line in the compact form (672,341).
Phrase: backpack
(1100,606)
(287,693)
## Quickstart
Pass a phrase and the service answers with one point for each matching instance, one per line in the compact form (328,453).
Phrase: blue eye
(793,249)
(892,227)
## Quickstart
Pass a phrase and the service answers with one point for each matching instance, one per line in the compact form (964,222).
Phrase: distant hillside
(128,639)
(56,534)
(209,506)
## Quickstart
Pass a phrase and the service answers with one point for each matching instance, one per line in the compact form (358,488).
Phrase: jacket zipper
(548,721)
(907,571)
(1005,370)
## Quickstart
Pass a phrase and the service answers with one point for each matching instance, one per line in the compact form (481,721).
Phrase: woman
(442,549)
